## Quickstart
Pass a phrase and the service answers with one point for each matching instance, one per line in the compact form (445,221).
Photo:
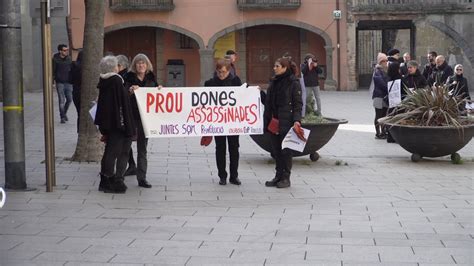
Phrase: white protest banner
(291,141)
(394,93)
(200,111)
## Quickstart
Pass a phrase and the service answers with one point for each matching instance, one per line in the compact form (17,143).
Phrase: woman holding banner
(223,78)
(140,75)
(283,104)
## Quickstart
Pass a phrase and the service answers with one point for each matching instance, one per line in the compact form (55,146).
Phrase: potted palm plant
(430,123)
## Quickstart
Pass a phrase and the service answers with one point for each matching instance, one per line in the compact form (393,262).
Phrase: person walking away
(140,75)
(123,65)
(283,103)
(224,78)
(76,79)
(311,72)
(62,64)
(380,94)
(116,124)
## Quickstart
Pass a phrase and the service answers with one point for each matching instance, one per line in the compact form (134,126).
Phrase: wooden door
(267,43)
(132,41)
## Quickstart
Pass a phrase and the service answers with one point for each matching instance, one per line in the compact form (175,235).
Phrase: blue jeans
(65,97)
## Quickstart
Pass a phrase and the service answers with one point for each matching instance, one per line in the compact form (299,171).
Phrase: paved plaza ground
(379,209)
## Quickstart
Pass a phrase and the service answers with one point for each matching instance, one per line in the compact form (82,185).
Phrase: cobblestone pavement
(363,203)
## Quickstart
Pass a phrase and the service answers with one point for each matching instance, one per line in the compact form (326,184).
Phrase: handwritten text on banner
(200,111)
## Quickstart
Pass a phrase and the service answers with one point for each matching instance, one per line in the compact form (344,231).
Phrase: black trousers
(114,160)
(142,144)
(233,142)
(283,158)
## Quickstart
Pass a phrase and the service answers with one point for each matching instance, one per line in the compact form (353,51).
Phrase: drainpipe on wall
(338,47)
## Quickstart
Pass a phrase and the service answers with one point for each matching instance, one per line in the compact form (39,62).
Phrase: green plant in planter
(310,115)
(429,107)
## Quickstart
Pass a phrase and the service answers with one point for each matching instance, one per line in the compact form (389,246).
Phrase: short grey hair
(122,60)
(107,64)
(141,58)
(412,63)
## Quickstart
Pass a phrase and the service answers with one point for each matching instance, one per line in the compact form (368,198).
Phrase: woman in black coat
(223,77)
(140,75)
(283,102)
(458,84)
(115,121)
(413,80)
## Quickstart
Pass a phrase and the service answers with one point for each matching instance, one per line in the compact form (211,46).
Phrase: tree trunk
(89,148)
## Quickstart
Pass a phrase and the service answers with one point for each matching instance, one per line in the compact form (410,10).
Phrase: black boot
(222,181)
(283,183)
(235,181)
(273,182)
(131,170)
(116,186)
(104,183)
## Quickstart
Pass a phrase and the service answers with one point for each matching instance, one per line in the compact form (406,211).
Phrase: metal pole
(13,111)
(338,40)
(48,97)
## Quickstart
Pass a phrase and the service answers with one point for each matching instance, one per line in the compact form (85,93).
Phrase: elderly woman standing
(380,79)
(458,83)
(283,102)
(140,75)
(115,121)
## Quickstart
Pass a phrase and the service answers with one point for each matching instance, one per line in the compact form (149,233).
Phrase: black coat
(427,70)
(458,85)
(440,74)
(283,101)
(114,112)
(230,81)
(132,79)
(415,81)
(311,77)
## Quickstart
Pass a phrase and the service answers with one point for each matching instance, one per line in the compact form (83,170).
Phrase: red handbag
(274,126)
(206,140)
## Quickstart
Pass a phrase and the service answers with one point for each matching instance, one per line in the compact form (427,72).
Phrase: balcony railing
(268,4)
(141,5)
(418,6)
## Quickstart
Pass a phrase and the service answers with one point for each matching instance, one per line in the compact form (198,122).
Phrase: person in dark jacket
(76,77)
(123,66)
(115,121)
(404,64)
(283,102)
(62,64)
(458,84)
(140,75)
(413,80)
(224,78)
(311,72)
(380,93)
(428,69)
(441,72)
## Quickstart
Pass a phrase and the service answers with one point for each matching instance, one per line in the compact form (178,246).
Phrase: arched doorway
(173,51)
(261,43)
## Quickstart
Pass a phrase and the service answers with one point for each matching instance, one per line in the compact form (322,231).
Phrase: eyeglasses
(64,50)
(459,69)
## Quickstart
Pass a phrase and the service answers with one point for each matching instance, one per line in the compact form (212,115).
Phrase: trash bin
(175,73)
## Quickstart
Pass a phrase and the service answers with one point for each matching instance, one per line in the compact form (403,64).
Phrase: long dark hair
(289,64)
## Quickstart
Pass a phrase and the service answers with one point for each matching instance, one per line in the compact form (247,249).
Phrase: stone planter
(319,136)
(431,141)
